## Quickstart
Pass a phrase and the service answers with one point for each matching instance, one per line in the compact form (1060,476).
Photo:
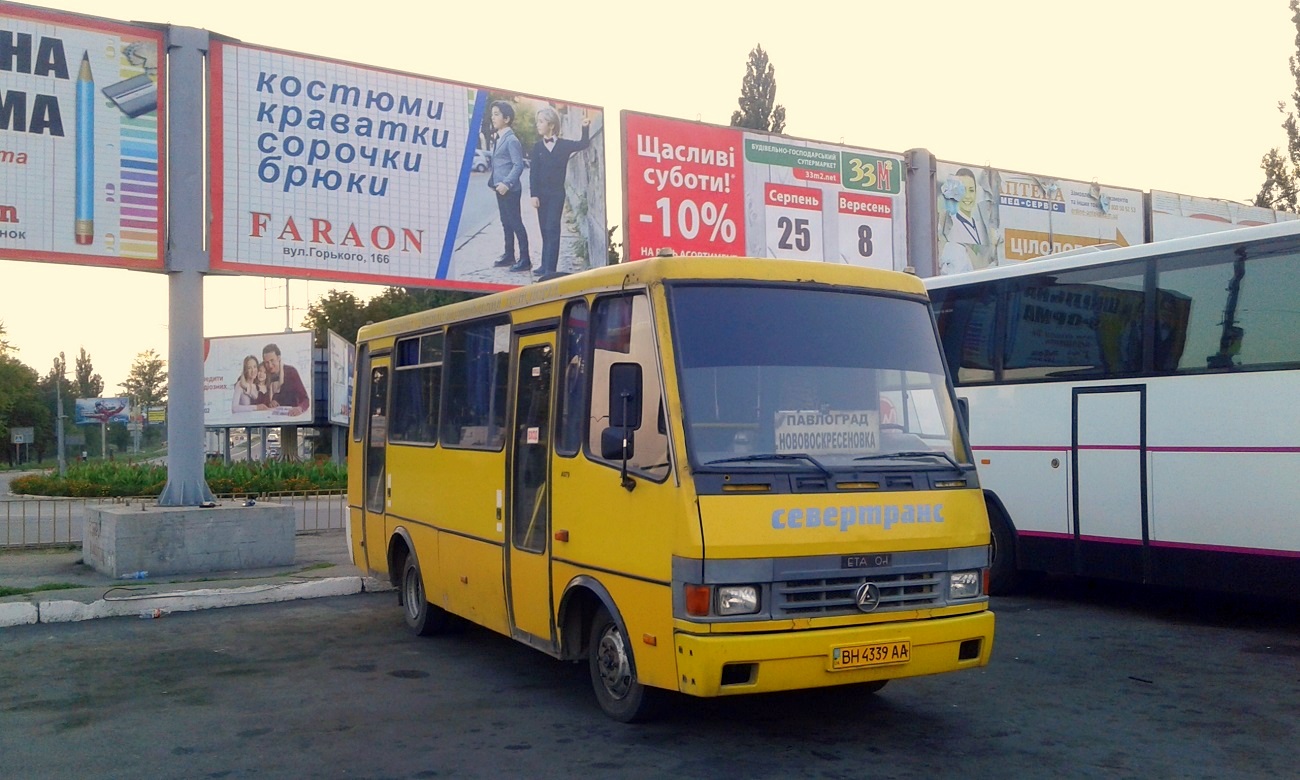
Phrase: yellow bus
(701,475)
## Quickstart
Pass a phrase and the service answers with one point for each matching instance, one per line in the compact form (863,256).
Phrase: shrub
(108,478)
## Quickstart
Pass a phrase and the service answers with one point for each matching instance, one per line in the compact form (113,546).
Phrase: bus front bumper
(722,665)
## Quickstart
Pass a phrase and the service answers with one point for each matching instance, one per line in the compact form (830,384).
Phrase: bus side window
(966,320)
(622,332)
(572,392)
(361,393)
(475,368)
(1219,311)
(416,389)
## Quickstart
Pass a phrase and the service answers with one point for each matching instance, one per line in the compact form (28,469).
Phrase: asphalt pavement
(77,592)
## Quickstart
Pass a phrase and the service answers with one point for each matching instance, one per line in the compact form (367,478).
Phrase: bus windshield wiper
(913,454)
(774,456)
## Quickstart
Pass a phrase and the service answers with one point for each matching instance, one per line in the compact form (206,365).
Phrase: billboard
(257,380)
(330,170)
(1176,216)
(342,365)
(98,411)
(987,217)
(708,190)
(81,140)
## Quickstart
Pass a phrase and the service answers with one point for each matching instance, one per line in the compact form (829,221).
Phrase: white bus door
(1109,482)
(528,531)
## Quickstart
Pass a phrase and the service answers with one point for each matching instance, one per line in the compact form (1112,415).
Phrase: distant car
(480,160)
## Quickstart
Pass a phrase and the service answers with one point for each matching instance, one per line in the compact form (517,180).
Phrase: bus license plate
(858,656)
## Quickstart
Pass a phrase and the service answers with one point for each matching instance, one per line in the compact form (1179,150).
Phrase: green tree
(343,313)
(758,109)
(1282,171)
(89,384)
(146,383)
(20,401)
(4,343)
(336,310)
(613,249)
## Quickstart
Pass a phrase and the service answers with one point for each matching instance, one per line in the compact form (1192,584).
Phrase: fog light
(963,584)
(737,599)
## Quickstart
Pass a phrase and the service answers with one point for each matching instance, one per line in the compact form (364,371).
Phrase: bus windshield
(785,377)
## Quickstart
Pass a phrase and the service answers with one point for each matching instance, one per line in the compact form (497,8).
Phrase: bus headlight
(963,585)
(737,599)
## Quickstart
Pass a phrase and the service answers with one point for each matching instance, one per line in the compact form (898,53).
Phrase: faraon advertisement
(707,190)
(987,217)
(80,140)
(325,169)
(258,380)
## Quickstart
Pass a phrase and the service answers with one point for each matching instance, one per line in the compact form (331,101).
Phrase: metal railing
(58,522)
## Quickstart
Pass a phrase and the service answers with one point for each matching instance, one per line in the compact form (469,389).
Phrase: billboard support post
(187,261)
(920,212)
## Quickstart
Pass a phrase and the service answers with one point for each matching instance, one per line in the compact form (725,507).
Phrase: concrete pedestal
(122,539)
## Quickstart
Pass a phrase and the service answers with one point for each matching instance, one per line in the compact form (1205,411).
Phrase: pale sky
(1143,94)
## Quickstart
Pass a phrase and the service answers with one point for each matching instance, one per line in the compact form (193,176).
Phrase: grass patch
(7,591)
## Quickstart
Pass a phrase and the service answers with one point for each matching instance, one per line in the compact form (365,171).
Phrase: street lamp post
(58,423)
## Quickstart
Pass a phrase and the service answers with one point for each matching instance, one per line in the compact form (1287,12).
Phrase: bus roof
(650,271)
(1067,261)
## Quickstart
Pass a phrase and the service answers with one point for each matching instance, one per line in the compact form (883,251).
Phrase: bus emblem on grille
(868,597)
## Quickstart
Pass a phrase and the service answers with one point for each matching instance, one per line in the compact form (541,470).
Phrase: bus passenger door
(1110,482)
(376,472)
(528,525)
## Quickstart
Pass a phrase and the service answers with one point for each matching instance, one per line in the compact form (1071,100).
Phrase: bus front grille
(838,595)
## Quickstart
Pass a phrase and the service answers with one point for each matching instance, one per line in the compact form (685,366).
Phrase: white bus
(1135,412)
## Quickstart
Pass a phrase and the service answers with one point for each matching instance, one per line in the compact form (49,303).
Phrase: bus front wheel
(421,617)
(613,673)
(1004,575)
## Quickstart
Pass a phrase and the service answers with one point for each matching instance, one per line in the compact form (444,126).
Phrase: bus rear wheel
(613,673)
(421,617)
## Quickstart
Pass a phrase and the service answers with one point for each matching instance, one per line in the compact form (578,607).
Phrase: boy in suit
(550,165)
(506,163)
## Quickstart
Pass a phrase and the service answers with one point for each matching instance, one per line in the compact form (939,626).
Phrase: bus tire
(613,673)
(1004,576)
(421,617)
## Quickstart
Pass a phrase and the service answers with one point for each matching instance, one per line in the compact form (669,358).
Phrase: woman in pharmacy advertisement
(968,233)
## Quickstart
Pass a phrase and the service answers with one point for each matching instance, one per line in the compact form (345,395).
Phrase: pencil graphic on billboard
(85,219)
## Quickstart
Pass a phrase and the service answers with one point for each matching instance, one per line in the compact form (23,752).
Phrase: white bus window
(1075,324)
(1220,311)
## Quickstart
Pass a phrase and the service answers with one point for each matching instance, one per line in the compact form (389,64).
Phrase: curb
(63,611)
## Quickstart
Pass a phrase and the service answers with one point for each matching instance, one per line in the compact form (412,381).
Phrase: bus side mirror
(625,396)
(615,444)
(624,417)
